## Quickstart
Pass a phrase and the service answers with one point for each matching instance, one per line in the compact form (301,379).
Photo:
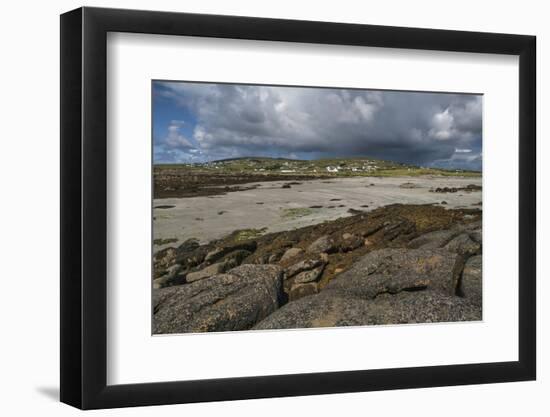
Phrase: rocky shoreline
(177,183)
(396,264)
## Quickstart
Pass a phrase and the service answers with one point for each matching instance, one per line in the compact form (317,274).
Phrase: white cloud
(174,138)
(442,123)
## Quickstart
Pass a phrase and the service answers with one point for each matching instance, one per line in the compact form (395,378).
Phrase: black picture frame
(84,207)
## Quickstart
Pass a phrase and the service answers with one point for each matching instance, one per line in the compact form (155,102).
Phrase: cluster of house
(290,167)
(353,169)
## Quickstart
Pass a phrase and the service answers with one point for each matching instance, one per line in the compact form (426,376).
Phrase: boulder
(397,229)
(163,281)
(474,230)
(386,286)
(298,291)
(274,258)
(232,301)
(330,308)
(190,259)
(215,254)
(171,277)
(475,225)
(188,245)
(291,253)
(371,229)
(164,258)
(305,265)
(206,272)
(471,286)
(309,276)
(236,257)
(350,242)
(220,252)
(262,259)
(463,245)
(395,270)
(323,244)
(476,235)
(433,240)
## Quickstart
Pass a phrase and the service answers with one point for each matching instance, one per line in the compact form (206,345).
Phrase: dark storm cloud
(420,128)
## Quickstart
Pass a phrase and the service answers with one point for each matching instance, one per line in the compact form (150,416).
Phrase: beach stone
(433,240)
(463,245)
(206,272)
(476,236)
(291,253)
(164,258)
(214,255)
(350,242)
(309,276)
(305,265)
(190,253)
(236,257)
(169,278)
(323,244)
(188,245)
(298,291)
(220,252)
(236,300)
(409,185)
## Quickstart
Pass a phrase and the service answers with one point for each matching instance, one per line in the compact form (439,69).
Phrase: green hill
(338,167)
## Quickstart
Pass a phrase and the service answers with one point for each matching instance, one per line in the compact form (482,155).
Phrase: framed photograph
(257,208)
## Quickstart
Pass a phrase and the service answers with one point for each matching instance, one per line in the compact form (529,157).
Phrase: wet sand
(274,208)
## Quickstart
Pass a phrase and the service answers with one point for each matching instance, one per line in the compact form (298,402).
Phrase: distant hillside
(253,158)
(358,166)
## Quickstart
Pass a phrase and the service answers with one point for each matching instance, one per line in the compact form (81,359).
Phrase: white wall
(29,216)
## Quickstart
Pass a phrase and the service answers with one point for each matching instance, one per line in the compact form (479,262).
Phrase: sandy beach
(269,206)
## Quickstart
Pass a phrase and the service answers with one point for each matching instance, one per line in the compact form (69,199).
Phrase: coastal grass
(166,241)
(296,213)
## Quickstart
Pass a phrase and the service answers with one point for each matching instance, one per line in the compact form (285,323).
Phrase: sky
(200,122)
